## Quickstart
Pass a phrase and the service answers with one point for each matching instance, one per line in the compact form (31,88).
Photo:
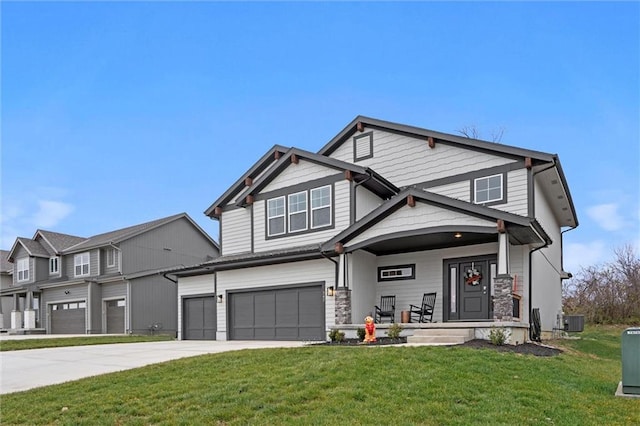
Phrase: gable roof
(130,232)
(539,158)
(259,166)
(364,175)
(57,241)
(32,247)
(521,229)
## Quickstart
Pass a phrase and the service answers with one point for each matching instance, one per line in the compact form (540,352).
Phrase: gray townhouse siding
(147,294)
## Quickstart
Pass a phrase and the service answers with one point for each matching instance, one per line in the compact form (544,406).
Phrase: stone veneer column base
(503,298)
(343,305)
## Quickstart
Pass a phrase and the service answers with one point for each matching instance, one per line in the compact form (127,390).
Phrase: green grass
(348,385)
(35,343)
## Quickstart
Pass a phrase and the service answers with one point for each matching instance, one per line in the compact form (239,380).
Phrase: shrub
(498,336)
(394,331)
(361,333)
(336,335)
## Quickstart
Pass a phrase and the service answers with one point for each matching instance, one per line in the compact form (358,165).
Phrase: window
(298,212)
(54,265)
(397,272)
(488,189)
(275,216)
(111,257)
(363,147)
(23,269)
(81,264)
(321,207)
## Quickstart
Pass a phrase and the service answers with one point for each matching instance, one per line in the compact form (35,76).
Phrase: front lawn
(55,342)
(345,385)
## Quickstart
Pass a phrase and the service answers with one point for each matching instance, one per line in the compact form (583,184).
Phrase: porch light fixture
(219,298)
(330,291)
(457,235)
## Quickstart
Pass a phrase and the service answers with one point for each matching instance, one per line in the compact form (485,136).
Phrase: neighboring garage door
(199,318)
(68,318)
(115,316)
(277,314)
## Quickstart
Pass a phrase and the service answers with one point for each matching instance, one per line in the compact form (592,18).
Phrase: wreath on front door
(472,276)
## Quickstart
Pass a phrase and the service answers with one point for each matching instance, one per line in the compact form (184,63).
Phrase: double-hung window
(81,264)
(275,216)
(23,269)
(298,212)
(488,189)
(321,207)
(54,265)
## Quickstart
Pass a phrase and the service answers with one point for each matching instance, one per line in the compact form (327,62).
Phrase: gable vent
(363,146)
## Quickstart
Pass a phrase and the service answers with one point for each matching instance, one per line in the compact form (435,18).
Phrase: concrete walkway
(28,369)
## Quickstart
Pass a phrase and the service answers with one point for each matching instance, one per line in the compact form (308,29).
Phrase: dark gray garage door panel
(68,321)
(115,316)
(199,318)
(277,314)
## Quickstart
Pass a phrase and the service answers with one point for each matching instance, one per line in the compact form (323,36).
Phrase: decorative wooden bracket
(528,163)
(411,202)
(360,126)
(217,211)
(432,142)
(348,175)
(276,155)
(501,226)
(249,199)
(339,248)
(294,159)
(248,181)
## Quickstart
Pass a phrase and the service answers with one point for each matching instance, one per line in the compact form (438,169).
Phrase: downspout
(355,196)
(335,262)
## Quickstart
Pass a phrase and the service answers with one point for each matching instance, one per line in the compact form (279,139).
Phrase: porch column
(29,313)
(503,282)
(16,314)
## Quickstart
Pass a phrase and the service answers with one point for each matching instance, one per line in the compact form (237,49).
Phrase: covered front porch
(20,311)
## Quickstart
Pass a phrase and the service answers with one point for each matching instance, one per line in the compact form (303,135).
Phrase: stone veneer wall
(343,306)
(503,298)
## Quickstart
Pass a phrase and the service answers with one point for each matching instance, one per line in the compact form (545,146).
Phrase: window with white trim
(23,269)
(111,257)
(396,272)
(275,216)
(321,207)
(54,265)
(81,264)
(298,212)
(488,189)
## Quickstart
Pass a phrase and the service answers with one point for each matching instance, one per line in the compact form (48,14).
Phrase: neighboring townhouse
(109,283)
(6,280)
(311,241)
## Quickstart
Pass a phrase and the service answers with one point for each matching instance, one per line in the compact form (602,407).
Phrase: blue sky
(117,113)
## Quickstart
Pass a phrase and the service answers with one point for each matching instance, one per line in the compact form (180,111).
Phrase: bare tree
(472,132)
(609,293)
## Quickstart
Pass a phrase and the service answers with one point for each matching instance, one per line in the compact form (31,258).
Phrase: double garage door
(295,313)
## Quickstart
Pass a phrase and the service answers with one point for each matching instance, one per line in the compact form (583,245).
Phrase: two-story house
(108,283)
(311,241)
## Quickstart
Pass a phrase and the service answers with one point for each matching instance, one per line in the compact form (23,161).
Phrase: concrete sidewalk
(28,369)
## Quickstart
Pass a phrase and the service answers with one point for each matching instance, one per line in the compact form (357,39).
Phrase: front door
(468,288)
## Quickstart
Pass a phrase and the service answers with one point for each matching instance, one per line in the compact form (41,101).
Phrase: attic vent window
(397,272)
(363,146)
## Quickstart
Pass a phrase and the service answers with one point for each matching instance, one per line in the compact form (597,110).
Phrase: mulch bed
(525,348)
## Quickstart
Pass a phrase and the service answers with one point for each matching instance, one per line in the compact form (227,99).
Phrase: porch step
(441,336)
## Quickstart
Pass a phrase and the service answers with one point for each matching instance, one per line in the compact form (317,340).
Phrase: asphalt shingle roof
(59,241)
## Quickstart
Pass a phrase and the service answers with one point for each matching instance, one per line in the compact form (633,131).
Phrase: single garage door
(68,318)
(115,316)
(199,318)
(277,314)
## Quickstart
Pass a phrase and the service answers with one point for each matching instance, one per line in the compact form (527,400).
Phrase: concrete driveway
(23,370)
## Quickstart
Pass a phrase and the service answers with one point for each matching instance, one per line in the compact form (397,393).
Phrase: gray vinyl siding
(94,306)
(404,160)
(104,261)
(21,253)
(296,173)
(365,202)
(458,190)
(114,290)
(419,217)
(236,227)
(255,179)
(153,301)
(341,209)
(94,263)
(176,243)
(41,268)
(273,276)
(191,286)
